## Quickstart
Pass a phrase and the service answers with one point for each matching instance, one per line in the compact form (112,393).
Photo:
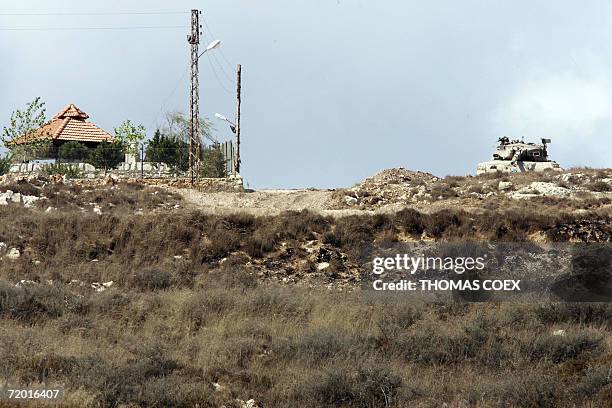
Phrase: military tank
(516,156)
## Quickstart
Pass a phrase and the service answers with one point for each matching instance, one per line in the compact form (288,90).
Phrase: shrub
(32,303)
(411,220)
(213,162)
(599,186)
(332,389)
(581,313)
(151,279)
(531,391)
(22,188)
(367,387)
(5,164)
(376,387)
(106,155)
(438,223)
(168,149)
(442,192)
(561,348)
(315,346)
(55,169)
(73,151)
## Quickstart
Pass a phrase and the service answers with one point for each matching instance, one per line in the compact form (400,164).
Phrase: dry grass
(298,347)
(186,312)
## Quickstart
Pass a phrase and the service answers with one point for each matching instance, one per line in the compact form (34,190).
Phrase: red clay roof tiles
(68,124)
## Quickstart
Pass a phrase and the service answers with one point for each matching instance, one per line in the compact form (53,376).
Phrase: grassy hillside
(214,310)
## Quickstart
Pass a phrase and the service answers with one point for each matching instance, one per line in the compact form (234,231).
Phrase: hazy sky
(334,91)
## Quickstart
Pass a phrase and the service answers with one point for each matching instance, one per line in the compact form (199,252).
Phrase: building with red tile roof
(69,124)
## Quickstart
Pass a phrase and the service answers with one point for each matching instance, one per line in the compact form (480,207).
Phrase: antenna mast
(194,99)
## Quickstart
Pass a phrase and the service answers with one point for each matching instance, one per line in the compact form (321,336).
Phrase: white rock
(323,265)
(108,284)
(559,332)
(24,282)
(217,386)
(98,287)
(29,201)
(13,254)
(504,185)
(543,188)
(97,210)
(248,404)
(350,200)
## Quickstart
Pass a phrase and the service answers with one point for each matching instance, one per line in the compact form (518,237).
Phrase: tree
(73,151)
(168,149)
(106,155)
(177,126)
(213,162)
(5,164)
(129,136)
(24,123)
(178,129)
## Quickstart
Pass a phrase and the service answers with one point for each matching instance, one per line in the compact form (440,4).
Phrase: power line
(220,51)
(90,28)
(165,101)
(110,13)
(214,57)
(217,76)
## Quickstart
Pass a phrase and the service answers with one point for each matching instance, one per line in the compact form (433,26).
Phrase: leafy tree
(213,162)
(73,151)
(106,155)
(177,126)
(23,123)
(168,149)
(5,164)
(129,136)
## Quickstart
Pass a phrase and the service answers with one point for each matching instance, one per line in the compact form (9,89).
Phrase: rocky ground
(394,189)
(386,192)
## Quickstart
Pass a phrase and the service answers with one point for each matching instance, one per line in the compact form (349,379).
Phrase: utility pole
(194,99)
(239,101)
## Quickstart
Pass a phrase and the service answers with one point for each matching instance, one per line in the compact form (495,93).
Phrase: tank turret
(516,156)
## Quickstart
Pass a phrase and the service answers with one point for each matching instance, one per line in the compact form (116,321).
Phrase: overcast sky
(334,90)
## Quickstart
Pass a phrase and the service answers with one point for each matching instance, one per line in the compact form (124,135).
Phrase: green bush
(71,172)
(168,149)
(106,156)
(5,164)
(73,151)
(213,162)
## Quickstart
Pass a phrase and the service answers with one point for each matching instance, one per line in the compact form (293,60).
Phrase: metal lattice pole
(194,99)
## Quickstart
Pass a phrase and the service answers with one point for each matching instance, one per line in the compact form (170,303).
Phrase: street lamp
(212,46)
(223,118)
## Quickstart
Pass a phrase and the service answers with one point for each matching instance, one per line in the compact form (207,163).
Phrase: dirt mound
(390,178)
(389,186)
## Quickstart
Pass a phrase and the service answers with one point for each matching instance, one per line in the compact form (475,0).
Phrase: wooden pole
(239,101)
